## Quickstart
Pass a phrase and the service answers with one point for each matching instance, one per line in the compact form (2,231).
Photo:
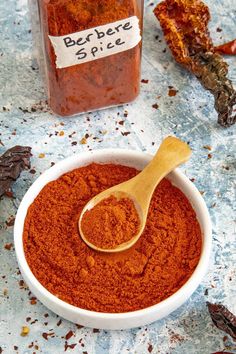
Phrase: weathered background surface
(24,119)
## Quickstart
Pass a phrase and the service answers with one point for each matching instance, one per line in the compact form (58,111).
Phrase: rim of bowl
(192,282)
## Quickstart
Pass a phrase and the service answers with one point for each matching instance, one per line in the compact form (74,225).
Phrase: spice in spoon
(111,222)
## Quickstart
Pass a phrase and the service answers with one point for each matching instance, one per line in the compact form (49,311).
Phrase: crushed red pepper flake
(96,330)
(8,246)
(9,194)
(207,147)
(125,133)
(22,284)
(47,335)
(172,92)
(144,81)
(69,335)
(10,222)
(155,106)
(69,346)
(222,353)
(150,348)
(228,48)
(79,326)
(33,301)
(59,322)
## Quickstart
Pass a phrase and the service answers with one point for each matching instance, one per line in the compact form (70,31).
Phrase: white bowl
(111,320)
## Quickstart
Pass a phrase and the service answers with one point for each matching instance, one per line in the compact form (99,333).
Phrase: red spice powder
(111,222)
(154,268)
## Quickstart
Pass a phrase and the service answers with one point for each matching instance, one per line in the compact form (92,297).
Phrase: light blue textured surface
(189,115)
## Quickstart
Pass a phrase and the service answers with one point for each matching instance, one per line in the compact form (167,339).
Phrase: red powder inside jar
(108,81)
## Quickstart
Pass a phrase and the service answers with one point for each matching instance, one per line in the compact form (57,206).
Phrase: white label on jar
(97,42)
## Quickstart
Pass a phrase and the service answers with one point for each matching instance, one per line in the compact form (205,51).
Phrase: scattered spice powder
(111,222)
(159,263)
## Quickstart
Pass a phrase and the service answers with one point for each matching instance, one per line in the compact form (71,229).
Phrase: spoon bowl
(171,153)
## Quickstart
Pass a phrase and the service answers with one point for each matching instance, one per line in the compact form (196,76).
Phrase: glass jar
(90,51)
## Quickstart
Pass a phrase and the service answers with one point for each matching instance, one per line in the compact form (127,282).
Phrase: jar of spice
(91,52)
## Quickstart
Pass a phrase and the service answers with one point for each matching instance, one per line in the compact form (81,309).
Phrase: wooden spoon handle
(171,153)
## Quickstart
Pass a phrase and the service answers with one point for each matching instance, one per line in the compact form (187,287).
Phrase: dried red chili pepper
(184,23)
(223,318)
(228,48)
(12,163)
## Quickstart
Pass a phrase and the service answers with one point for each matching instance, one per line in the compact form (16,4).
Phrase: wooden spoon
(171,153)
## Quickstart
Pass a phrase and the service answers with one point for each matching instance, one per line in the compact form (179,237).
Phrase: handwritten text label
(98,42)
